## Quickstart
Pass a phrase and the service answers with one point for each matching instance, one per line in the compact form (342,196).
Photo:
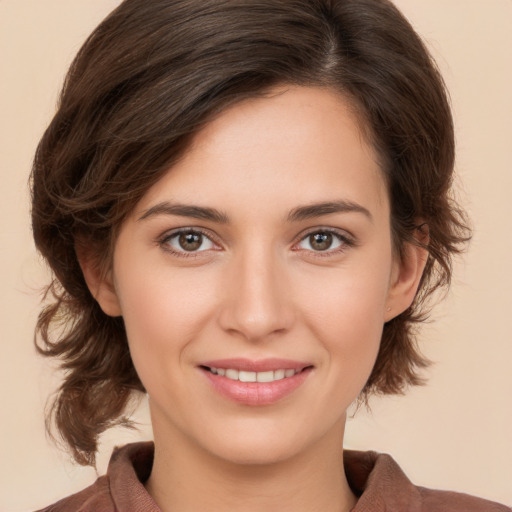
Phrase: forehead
(296,144)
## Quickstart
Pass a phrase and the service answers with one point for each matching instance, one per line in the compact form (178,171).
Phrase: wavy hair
(145,81)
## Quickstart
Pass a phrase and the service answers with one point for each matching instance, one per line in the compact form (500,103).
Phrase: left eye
(321,241)
(189,241)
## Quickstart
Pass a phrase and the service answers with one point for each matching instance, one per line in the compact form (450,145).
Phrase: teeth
(265,376)
(244,376)
(232,374)
(279,374)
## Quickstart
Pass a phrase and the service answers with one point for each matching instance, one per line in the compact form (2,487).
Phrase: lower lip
(256,393)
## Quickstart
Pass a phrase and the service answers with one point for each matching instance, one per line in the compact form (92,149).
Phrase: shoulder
(446,501)
(383,486)
(93,498)
(120,490)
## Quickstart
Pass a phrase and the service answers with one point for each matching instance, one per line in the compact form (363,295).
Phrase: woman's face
(255,277)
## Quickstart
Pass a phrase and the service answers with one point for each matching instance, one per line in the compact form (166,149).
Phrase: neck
(186,479)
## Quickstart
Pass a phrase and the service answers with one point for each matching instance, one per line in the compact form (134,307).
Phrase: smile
(247,376)
(256,383)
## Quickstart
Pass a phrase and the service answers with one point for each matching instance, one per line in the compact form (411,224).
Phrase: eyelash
(342,237)
(164,241)
(346,241)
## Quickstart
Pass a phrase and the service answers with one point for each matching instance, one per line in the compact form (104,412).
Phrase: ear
(99,282)
(405,280)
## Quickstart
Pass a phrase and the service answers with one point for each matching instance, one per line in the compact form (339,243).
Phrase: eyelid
(347,240)
(163,240)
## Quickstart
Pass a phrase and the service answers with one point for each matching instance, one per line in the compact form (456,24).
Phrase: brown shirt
(375,478)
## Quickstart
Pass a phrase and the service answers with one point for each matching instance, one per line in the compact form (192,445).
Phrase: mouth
(250,376)
(256,382)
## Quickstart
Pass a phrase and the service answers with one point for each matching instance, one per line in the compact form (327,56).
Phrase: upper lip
(257,365)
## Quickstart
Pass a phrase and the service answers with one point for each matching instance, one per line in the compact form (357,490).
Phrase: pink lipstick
(255,382)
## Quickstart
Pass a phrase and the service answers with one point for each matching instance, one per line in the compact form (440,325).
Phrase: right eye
(187,241)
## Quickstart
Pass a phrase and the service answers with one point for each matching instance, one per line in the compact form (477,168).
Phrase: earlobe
(405,280)
(100,283)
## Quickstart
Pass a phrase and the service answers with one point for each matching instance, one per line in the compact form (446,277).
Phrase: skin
(259,287)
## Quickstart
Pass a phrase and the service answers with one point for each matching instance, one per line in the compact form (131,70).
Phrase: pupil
(321,241)
(190,241)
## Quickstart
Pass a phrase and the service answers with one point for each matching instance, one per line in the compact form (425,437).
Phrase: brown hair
(146,80)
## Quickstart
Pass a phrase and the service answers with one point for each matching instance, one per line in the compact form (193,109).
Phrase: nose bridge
(258,303)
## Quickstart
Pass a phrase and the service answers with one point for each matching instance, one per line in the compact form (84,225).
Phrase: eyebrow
(184,210)
(212,214)
(319,209)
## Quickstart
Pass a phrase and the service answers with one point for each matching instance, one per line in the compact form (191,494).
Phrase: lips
(249,382)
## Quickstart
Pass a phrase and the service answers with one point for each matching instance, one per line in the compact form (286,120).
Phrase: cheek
(162,311)
(351,297)
(345,311)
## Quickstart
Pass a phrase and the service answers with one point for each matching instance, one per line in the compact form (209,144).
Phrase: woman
(246,207)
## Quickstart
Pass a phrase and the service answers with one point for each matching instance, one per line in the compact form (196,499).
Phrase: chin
(259,446)
(251,454)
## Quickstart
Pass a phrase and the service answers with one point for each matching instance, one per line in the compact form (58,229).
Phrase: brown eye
(324,241)
(320,241)
(190,241)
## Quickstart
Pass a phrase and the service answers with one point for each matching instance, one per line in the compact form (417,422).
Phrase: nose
(257,302)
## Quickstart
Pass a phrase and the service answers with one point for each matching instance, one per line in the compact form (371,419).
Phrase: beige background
(455,433)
